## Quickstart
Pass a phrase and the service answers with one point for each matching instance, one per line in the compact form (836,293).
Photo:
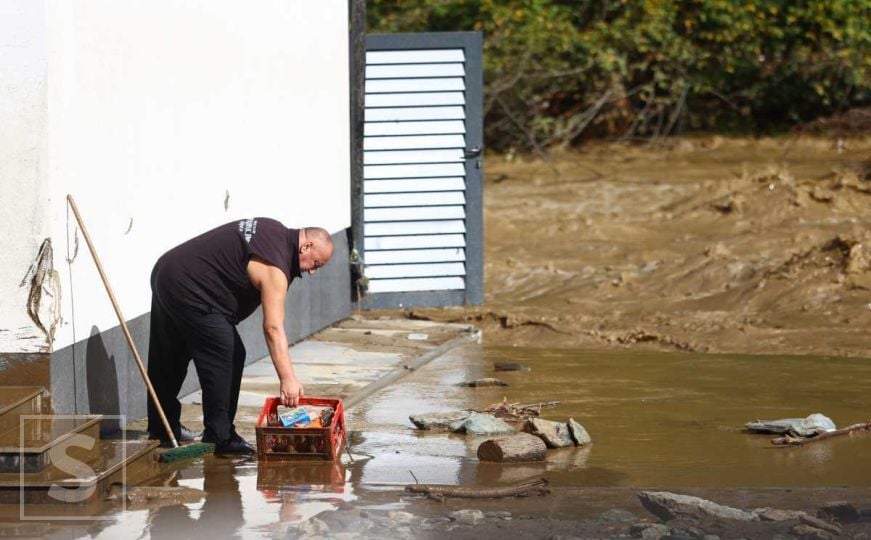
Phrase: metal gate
(422,229)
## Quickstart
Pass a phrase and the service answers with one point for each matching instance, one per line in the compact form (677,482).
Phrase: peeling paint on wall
(43,301)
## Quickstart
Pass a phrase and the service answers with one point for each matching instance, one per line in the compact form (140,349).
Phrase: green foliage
(559,70)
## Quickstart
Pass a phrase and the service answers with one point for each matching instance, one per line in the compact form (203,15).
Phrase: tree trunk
(516,448)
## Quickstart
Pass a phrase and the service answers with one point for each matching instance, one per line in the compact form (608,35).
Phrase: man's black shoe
(236,445)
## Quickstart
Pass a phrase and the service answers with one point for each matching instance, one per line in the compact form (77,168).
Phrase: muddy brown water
(656,419)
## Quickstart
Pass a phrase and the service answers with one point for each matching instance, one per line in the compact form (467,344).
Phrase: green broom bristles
(185,452)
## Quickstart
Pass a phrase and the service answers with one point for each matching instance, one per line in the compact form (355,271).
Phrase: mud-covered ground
(710,245)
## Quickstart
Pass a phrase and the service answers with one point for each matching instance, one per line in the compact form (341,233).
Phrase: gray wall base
(98,375)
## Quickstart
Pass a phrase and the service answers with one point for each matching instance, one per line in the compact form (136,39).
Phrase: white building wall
(23,192)
(169,117)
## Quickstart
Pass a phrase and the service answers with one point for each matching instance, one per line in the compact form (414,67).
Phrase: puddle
(657,419)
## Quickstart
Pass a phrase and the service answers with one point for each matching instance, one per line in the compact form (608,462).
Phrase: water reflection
(220,513)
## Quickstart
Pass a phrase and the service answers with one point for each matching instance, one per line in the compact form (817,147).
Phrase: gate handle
(473,152)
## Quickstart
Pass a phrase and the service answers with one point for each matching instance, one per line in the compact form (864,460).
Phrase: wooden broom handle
(121,320)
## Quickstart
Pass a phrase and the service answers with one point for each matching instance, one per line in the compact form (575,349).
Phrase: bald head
(315,248)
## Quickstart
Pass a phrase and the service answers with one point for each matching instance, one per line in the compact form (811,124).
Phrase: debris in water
(439,492)
(801,441)
(510,366)
(520,447)
(481,383)
(515,412)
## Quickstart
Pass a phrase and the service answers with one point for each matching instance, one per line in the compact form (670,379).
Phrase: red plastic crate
(279,443)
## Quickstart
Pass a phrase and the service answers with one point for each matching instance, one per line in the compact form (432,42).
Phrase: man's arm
(272,284)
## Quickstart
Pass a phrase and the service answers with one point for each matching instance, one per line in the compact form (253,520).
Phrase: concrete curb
(470,335)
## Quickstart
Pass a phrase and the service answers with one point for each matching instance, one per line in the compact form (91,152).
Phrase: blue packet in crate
(294,417)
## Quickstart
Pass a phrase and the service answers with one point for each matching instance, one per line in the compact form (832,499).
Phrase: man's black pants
(181,333)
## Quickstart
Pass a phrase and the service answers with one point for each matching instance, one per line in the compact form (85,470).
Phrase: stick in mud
(784,442)
(440,492)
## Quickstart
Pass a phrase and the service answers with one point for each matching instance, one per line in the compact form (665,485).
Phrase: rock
(498,515)
(677,534)
(344,520)
(637,529)
(821,524)
(578,433)
(812,425)
(839,510)
(617,515)
(710,537)
(776,514)
(516,448)
(313,527)
(806,531)
(397,516)
(777,427)
(466,517)
(438,420)
(653,531)
(481,383)
(554,434)
(667,506)
(481,424)
(509,366)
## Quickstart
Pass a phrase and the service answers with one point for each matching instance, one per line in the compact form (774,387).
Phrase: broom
(176,452)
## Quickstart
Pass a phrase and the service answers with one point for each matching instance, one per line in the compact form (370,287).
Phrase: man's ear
(305,246)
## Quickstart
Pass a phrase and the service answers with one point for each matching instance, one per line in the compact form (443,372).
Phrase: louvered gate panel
(422,238)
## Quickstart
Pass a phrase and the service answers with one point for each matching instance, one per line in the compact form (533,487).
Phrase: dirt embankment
(713,245)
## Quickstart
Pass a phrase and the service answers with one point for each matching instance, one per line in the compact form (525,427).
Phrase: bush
(558,71)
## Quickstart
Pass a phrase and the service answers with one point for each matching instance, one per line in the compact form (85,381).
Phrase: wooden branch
(530,136)
(439,492)
(801,441)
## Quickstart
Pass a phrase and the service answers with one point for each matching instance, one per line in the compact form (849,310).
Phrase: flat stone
(483,383)
(579,433)
(839,510)
(667,506)
(467,516)
(481,424)
(821,524)
(438,420)
(806,531)
(776,514)
(813,424)
(554,434)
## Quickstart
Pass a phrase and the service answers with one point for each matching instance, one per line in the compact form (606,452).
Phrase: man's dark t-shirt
(210,272)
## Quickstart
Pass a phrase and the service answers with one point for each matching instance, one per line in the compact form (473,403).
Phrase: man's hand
(291,391)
